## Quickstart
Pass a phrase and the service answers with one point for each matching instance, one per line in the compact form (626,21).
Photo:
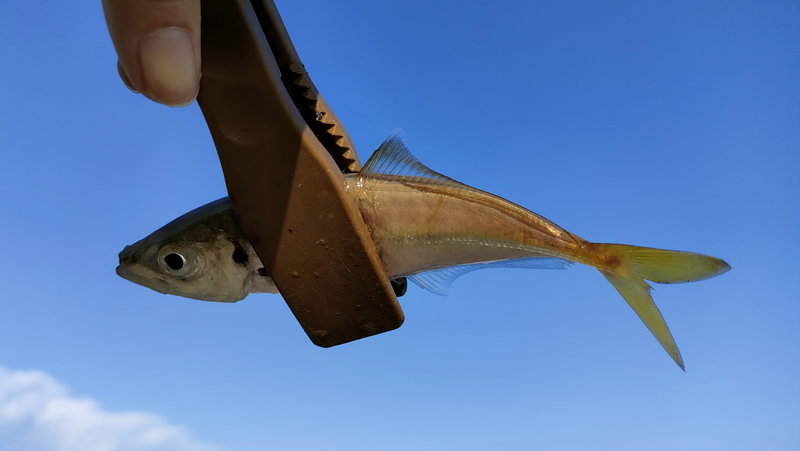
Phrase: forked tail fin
(628,268)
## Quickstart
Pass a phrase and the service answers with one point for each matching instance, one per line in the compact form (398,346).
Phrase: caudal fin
(629,266)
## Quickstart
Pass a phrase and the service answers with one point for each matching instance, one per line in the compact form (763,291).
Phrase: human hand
(158,45)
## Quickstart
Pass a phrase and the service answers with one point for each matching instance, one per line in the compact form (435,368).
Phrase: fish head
(200,255)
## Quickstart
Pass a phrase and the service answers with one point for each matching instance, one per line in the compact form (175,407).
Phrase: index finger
(158,44)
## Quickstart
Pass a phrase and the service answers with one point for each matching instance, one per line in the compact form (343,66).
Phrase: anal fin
(438,281)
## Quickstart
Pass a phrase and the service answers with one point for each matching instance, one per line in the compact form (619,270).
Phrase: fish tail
(628,268)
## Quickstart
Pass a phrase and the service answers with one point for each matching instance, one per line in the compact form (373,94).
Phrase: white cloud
(37,413)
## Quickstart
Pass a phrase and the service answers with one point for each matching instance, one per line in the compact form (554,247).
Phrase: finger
(158,44)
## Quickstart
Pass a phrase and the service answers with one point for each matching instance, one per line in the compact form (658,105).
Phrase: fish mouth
(126,259)
(129,273)
(126,273)
(128,255)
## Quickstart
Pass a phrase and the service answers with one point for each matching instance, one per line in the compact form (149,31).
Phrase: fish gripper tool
(283,152)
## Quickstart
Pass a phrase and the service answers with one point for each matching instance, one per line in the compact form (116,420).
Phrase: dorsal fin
(438,281)
(394,158)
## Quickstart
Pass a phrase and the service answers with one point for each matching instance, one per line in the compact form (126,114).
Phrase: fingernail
(168,66)
(125,79)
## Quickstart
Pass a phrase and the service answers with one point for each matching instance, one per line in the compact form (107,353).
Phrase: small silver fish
(427,227)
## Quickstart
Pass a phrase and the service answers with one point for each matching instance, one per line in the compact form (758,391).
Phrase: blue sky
(666,124)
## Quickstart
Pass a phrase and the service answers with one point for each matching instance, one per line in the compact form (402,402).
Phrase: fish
(427,227)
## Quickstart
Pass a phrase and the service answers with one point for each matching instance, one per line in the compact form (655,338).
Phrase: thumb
(158,44)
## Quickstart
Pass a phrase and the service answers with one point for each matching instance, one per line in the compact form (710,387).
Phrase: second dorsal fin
(394,158)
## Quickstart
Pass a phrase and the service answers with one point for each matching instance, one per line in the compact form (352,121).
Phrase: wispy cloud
(38,413)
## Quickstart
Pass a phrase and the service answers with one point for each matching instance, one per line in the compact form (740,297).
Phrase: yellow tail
(627,268)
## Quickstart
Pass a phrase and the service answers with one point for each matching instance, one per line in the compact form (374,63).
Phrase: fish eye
(174,261)
(177,261)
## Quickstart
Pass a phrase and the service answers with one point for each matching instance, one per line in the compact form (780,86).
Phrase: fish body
(418,226)
(426,226)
